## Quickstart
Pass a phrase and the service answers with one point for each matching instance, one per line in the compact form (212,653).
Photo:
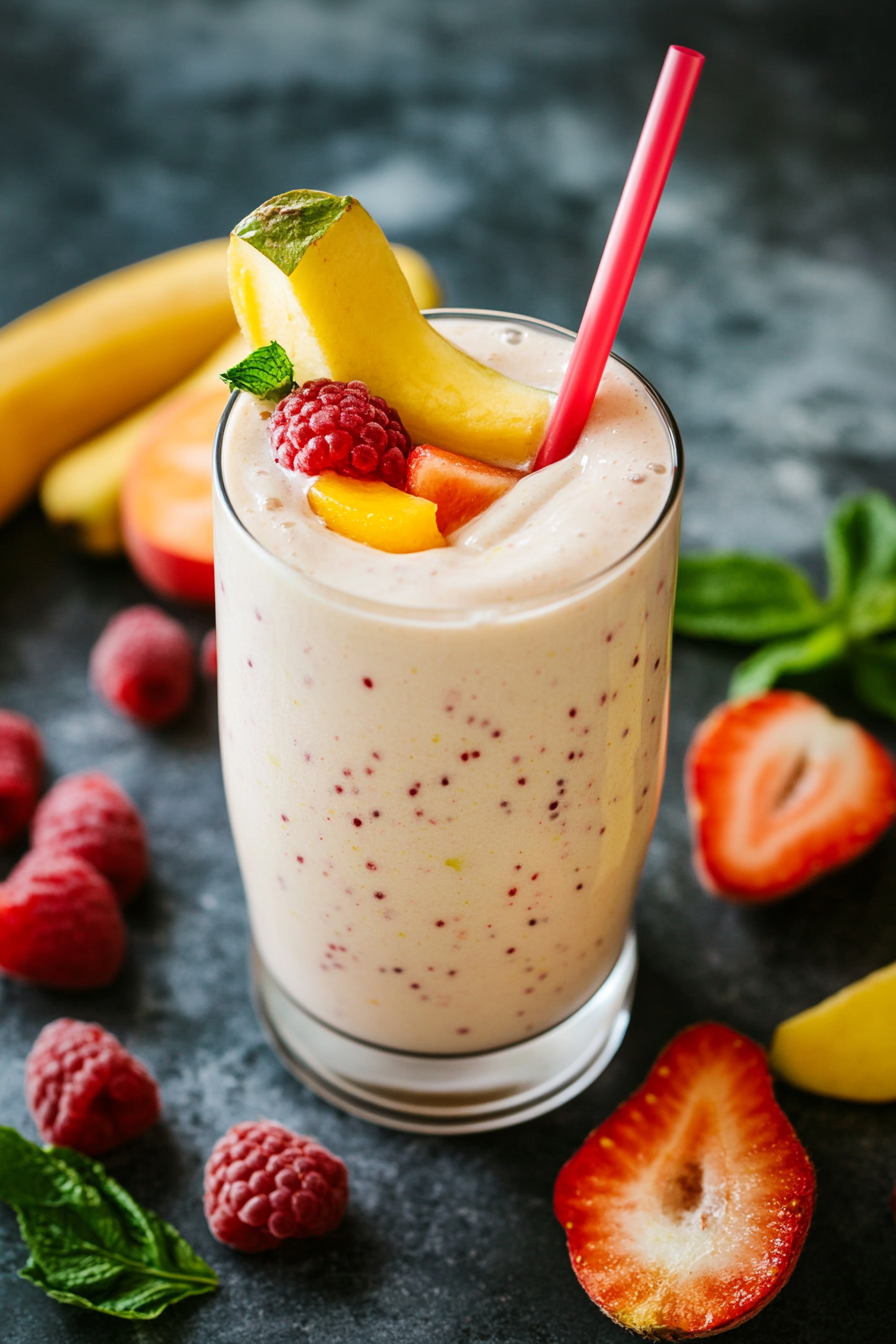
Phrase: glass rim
(495,611)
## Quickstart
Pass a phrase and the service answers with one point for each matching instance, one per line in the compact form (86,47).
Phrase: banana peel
(80,493)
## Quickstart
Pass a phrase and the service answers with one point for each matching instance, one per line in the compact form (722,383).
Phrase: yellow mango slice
(315,273)
(846,1045)
(375,513)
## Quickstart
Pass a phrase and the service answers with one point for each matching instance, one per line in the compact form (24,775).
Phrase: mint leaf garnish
(91,1244)
(860,545)
(285,227)
(266,373)
(743,598)
(750,599)
(871,609)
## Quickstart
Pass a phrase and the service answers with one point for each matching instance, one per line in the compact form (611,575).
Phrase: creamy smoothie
(443,768)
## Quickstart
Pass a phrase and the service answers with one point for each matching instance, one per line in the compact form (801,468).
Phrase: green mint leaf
(872,608)
(873,668)
(762,669)
(266,373)
(286,226)
(91,1244)
(743,598)
(860,545)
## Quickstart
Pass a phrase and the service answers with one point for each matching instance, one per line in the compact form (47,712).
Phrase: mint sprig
(743,598)
(266,373)
(91,1244)
(751,599)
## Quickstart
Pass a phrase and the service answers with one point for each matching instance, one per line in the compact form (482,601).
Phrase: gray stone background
(494,135)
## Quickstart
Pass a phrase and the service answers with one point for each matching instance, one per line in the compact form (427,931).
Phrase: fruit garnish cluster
(326,428)
(318,292)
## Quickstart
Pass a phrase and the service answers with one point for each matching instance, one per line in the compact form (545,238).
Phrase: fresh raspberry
(85,1090)
(142,664)
(21,765)
(92,816)
(208,655)
(60,924)
(264,1184)
(327,426)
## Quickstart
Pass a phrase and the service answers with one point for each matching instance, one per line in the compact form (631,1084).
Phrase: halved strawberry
(459,486)
(686,1211)
(779,791)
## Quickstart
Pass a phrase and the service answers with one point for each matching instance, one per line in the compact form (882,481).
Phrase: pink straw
(622,254)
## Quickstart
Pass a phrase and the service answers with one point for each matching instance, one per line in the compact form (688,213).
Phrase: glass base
(450,1094)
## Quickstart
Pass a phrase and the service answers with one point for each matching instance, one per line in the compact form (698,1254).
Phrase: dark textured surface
(495,136)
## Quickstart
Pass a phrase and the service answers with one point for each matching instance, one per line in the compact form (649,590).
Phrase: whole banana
(89,357)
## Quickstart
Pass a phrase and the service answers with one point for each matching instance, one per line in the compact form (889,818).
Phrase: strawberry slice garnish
(459,486)
(779,791)
(686,1210)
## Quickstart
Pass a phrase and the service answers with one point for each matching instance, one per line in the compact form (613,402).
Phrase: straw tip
(689,51)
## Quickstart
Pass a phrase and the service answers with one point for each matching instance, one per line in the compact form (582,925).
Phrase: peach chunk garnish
(375,513)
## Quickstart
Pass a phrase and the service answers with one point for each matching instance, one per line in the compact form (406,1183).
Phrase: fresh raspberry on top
(85,1090)
(60,924)
(21,766)
(264,1184)
(90,815)
(327,426)
(142,665)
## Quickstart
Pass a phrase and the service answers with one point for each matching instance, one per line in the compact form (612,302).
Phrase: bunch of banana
(84,360)
(81,491)
(110,347)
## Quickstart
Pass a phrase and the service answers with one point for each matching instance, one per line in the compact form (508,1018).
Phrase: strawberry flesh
(779,791)
(685,1211)
(460,487)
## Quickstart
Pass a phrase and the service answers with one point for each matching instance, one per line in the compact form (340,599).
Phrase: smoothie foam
(443,768)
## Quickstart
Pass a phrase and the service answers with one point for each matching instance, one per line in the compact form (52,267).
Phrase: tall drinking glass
(441,813)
